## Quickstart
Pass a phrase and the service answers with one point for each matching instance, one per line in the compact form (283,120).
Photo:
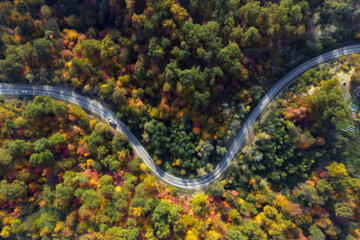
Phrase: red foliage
(81,150)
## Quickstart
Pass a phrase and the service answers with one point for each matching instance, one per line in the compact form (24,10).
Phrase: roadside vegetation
(182,74)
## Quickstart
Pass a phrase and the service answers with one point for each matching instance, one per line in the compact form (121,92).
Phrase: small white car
(112,123)
(23,91)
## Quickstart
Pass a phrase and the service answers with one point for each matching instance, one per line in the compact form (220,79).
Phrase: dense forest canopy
(182,74)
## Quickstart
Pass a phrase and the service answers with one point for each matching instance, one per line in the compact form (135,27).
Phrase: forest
(67,175)
(183,75)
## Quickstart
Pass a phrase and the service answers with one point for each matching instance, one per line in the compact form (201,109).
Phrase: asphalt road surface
(190,184)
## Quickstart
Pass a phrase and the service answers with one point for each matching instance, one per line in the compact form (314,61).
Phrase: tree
(204,149)
(57,139)
(39,108)
(229,57)
(307,194)
(119,141)
(134,165)
(59,109)
(42,49)
(17,148)
(216,188)
(5,157)
(42,144)
(42,159)
(159,219)
(106,185)
(64,192)
(91,49)
(343,210)
(94,141)
(119,96)
(316,233)
(200,204)
(329,103)
(235,234)
(250,37)
(91,198)
(12,191)
(46,11)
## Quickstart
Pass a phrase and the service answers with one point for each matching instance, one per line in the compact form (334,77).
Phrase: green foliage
(42,159)
(42,144)
(216,188)
(200,204)
(12,191)
(91,198)
(64,192)
(42,49)
(329,103)
(5,157)
(343,210)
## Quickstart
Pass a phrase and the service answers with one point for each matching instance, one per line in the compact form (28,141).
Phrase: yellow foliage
(180,13)
(42,180)
(82,166)
(191,235)
(68,64)
(117,189)
(44,231)
(143,167)
(122,80)
(178,162)
(337,170)
(154,112)
(136,212)
(76,82)
(5,232)
(59,226)
(89,163)
(166,87)
(71,34)
(158,162)
(282,202)
(92,123)
(252,181)
(212,235)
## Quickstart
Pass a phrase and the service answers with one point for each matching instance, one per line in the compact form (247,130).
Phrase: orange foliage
(196,130)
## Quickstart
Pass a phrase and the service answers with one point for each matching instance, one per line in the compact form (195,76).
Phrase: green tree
(216,188)
(106,183)
(42,159)
(64,192)
(119,141)
(94,141)
(159,219)
(57,139)
(91,198)
(42,144)
(119,96)
(200,204)
(5,157)
(42,49)
(12,191)
(17,148)
(329,104)
(343,210)
(316,233)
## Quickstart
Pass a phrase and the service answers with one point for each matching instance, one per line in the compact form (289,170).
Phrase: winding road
(190,184)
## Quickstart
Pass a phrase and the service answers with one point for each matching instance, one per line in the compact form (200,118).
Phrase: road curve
(190,184)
